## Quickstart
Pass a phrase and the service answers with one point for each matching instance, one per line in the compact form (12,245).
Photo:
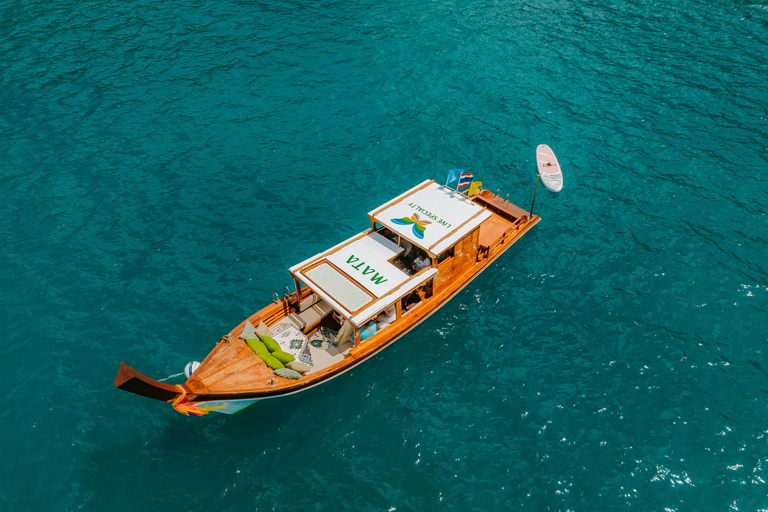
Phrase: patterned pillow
(317,339)
(287,374)
(306,355)
(249,331)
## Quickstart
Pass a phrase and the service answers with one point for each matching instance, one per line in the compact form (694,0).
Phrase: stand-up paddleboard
(549,168)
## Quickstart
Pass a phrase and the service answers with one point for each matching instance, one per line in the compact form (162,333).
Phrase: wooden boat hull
(232,378)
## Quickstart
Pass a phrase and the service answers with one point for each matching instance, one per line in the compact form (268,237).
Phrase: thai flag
(465,179)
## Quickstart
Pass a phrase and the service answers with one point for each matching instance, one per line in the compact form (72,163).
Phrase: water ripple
(162,165)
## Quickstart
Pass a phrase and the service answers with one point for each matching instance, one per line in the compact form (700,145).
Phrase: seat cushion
(271,361)
(307,303)
(257,346)
(283,357)
(262,330)
(298,366)
(323,308)
(296,320)
(310,317)
(287,374)
(271,344)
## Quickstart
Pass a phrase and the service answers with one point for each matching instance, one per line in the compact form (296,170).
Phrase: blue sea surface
(162,164)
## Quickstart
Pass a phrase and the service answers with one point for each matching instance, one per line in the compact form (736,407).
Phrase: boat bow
(129,379)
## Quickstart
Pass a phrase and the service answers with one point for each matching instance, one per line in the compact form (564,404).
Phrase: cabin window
(410,301)
(444,256)
(416,297)
(428,289)
(421,261)
(385,318)
(378,322)
(367,330)
(389,234)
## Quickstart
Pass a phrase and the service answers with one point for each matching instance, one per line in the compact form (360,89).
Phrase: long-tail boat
(352,300)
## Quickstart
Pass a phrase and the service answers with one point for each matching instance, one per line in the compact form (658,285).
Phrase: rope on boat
(171,376)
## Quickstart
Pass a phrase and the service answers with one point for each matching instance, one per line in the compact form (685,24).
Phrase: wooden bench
(501,206)
(491,231)
(312,310)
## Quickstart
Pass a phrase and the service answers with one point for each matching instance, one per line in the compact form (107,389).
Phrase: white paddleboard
(549,168)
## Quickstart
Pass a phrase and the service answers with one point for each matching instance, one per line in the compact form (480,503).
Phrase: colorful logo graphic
(419,226)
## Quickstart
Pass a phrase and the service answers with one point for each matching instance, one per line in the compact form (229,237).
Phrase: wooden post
(298,290)
(534,197)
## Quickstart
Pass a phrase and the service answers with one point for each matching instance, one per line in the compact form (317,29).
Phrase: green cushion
(271,344)
(283,357)
(257,346)
(271,361)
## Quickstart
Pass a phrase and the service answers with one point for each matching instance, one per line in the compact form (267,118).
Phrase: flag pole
(534,196)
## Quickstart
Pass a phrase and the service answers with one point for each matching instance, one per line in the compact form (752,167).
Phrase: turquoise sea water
(162,164)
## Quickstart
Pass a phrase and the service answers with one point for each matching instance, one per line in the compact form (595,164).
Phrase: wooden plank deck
(492,230)
(233,367)
(230,367)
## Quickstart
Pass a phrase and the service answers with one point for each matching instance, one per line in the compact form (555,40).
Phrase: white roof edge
(392,297)
(464,230)
(318,257)
(420,245)
(327,298)
(456,193)
(398,198)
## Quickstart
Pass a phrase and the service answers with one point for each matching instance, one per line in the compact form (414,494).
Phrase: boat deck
(234,367)
(492,230)
(365,280)
(231,367)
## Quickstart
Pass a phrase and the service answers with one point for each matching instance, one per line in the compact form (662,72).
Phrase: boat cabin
(355,291)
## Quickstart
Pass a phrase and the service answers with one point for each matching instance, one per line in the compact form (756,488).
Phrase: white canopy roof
(357,277)
(354,274)
(430,216)
(366,261)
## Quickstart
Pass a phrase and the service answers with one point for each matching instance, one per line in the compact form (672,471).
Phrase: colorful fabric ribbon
(187,408)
